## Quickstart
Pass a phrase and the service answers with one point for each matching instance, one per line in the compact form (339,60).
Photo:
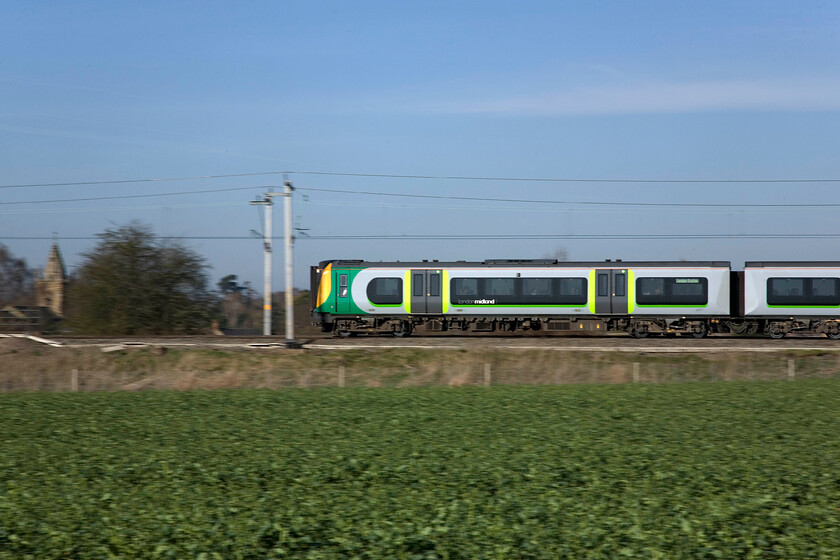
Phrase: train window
(620,285)
(803,291)
(536,286)
(518,291)
(464,287)
(650,286)
(674,292)
(785,287)
(572,286)
(823,287)
(549,291)
(499,286)
(572,291)
(417,283)
(385,291)
(603,285)
(342,285)
(434,285)
(687,287)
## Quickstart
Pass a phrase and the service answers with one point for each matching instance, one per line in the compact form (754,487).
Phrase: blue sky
(101,91)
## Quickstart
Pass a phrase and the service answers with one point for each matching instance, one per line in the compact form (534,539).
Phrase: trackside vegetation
(133,282)
(700,470)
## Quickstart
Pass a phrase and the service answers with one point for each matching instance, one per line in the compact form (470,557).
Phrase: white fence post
(486,375)
(791,369)
(636,368)
(341,376)
(74,380)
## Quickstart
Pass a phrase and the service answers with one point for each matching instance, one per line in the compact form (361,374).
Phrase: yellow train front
(640,298)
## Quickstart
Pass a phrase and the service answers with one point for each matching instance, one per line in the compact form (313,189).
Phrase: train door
(434,300)
(610,292)
(426,293)
(619,293)
(342,294)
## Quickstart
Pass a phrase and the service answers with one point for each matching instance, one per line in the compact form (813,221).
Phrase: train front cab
(330,292)
(355,296)
(320,288)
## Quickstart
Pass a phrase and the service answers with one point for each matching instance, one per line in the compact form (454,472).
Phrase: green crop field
(695,470)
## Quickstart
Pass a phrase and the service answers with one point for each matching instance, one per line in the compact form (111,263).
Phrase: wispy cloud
(158,142)
(814,94)
(51,84)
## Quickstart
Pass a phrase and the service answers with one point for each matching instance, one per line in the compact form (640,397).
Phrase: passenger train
(639,298)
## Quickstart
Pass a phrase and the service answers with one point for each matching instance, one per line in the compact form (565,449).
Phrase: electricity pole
(267,235)
(267,239)
(290,290)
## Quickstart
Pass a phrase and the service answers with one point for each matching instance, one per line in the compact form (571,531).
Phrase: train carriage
(353,296)
(789,296)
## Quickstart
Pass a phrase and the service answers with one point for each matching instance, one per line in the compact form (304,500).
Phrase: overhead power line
(569,202)
(427,177)
(439,197)
(119,197)
(127,181)
(78,210)
(91,237)
(581,236)
(562,179)
(512,237)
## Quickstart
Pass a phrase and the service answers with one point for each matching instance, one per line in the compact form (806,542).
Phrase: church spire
(55,270)
(49,289)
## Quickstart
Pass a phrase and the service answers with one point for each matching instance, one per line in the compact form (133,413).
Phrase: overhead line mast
(288,243)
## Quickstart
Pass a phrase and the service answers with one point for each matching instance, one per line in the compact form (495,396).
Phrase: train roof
(524,263)
(792,264)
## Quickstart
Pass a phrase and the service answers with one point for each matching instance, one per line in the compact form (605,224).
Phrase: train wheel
(404,329)
(699,330)
(774,330)
(636,333)
(343,334)
(834,335)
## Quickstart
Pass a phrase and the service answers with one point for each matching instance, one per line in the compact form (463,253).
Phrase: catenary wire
(560,180)
(127,196)
(442,197)
(571,202)
(512,237)
(425,177)
(118,208)
(128,181)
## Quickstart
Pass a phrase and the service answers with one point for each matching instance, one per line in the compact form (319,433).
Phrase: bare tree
(16,280)
(134,283)
(560,253)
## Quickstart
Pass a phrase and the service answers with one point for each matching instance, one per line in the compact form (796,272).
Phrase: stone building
(49,289)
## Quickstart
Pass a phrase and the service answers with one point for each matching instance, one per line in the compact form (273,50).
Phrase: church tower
(49,289)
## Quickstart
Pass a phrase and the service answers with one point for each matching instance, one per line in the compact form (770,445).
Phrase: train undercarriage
(635,326)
